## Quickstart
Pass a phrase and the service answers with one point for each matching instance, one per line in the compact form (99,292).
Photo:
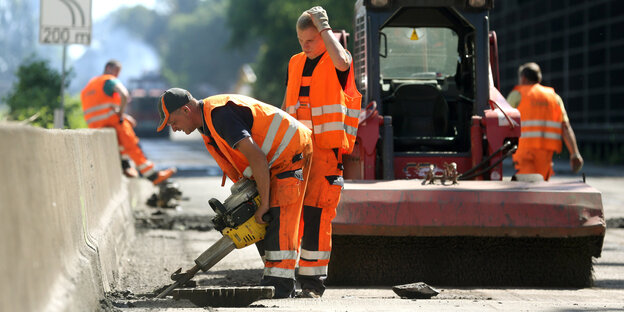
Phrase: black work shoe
(308,293)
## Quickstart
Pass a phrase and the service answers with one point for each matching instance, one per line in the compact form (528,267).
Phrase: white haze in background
(101,9)
(108,42)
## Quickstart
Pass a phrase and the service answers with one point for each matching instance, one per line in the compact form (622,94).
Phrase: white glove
(319,18)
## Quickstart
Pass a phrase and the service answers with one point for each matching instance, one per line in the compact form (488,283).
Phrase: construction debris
(168,195)
(415,291)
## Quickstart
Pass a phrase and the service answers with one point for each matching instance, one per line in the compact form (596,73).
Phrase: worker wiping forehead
(321,93)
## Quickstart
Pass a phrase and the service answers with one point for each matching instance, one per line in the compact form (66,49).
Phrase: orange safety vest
(333,112)
(541,118)
(278,135)
(97,106)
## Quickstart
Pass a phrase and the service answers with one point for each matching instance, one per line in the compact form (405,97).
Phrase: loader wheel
(463,261)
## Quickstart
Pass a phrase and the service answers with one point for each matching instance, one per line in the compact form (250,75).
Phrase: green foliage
(191,41)
(37,92)
(74,118)
(272,23)
(203,43)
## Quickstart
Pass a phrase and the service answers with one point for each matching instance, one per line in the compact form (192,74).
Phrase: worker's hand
(262,210)
(319,18)
(576,162)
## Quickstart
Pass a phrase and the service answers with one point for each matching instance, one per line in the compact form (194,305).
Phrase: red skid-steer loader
(433,115)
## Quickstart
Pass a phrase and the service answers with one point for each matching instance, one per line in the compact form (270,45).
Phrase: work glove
(319,18)
(576,163)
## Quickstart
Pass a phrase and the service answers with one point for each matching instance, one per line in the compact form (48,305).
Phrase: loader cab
(424,65)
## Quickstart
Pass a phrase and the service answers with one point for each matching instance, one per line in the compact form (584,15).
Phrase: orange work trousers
(534,161)
(319,209)
(129,145)
(281,242)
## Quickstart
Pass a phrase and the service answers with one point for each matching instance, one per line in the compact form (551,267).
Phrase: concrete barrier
(65,217)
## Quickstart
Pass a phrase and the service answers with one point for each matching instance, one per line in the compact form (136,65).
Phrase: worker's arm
(125,97)
(337,53)
(576,161)
(284,100)
(260,168)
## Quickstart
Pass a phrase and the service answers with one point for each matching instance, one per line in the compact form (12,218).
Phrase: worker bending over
(104,101)
(252,139)
(544,123)
(321,93)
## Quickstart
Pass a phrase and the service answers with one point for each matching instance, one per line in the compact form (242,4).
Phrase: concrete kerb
(65,217)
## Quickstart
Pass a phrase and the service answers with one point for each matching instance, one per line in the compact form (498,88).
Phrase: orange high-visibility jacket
(334,111)
(541,118)
(97,106)
(278,134)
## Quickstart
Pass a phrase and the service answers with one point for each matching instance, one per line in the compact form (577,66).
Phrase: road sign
(65,22)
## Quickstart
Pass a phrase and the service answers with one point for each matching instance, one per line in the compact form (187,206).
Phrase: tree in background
(272,24)
(191,40)
(37,93)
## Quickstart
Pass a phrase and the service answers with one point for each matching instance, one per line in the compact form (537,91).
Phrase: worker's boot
(308,293)
(168,191)
(162,175)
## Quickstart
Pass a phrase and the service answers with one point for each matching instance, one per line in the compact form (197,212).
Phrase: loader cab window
(418,53)
(418,87)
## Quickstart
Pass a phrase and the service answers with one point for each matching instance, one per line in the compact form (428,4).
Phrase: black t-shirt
(308,69)
(232,122)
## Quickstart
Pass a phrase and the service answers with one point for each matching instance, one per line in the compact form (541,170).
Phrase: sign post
(64,22)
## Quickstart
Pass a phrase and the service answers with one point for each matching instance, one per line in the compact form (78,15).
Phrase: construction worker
(252,139)
(544,123)
(321,93)
(104,101)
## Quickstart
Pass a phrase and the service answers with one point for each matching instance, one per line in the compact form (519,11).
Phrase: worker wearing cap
(104,100)
(252,139)
(321,93)
(544,123)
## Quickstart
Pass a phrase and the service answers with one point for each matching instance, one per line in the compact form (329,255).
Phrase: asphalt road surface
(164,244)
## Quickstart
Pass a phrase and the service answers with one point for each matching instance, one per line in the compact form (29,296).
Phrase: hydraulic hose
(487,159)
(507,154)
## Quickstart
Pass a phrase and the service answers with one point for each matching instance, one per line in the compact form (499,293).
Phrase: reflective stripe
(145,165)
(307,123)
(291,109)
(100,117)
(121,148)
(313,271)
(335,108)
(290,132)
(541,123)
(270,138)
(148,172)
(98,107)
(279,272)
(315,255)
(541,134)
(280,255)
(270,135)
(335,126)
